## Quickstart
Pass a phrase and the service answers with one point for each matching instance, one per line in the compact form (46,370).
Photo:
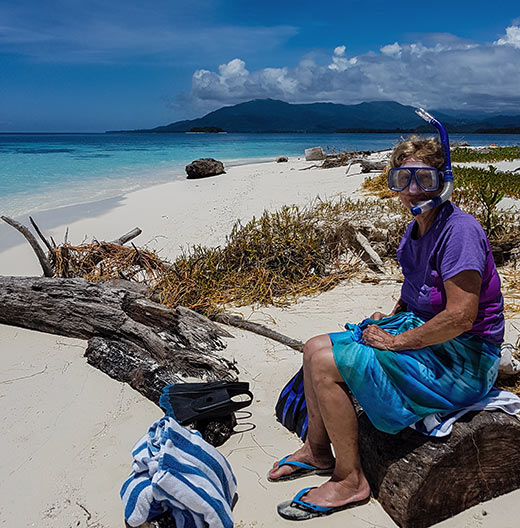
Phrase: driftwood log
(368,166)
(421,481)
(257,328)
(130,338)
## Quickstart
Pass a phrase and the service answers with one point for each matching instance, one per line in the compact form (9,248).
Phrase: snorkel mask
(447,172)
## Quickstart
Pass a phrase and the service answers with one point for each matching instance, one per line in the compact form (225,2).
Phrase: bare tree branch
(40,234)
(44,262)
(257,328)
(127,237)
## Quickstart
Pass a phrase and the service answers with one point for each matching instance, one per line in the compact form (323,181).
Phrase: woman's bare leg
(333,419)
(316,450)
(348,482)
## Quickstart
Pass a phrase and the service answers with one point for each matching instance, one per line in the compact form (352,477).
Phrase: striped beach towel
(176,471)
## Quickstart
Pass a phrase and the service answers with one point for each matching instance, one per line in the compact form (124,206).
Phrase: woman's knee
(320,365)
(314,345)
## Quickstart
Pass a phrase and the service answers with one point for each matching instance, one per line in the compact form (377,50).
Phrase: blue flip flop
(303,470)
(300,510)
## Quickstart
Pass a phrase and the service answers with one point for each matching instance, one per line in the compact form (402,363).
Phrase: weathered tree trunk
(368,166)
(421,481)
(131,338)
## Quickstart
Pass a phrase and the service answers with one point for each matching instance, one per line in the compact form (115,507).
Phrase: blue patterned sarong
(397,389)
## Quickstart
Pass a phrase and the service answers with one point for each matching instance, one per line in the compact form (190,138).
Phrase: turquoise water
(45,171)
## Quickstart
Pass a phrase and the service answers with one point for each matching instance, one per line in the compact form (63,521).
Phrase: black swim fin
(191,402)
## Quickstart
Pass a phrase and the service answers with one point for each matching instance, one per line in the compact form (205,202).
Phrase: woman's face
(413,194)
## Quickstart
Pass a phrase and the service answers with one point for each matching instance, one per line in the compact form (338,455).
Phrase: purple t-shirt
(455,242)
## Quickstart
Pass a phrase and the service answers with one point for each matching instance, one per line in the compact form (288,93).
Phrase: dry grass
(511,289)
(283,255)
(103,262)
(378,185)
(271,260)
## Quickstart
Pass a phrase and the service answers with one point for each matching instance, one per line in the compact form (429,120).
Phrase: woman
(438,350)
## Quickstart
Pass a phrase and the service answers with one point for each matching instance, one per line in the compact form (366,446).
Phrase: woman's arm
(462,296)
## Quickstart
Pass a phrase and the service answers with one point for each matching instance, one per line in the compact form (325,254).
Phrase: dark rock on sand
(282,159)
(204,167)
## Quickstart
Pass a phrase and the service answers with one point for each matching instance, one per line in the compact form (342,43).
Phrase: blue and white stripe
(175,470)
(441,424)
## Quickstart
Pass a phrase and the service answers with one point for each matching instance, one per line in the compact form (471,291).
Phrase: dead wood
(131,338)
(40,234)
(369,251)
(43,260)
(122,240)
(421,481)
(368,166)
(257,328)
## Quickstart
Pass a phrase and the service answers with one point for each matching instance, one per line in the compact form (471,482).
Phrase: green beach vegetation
(487,155)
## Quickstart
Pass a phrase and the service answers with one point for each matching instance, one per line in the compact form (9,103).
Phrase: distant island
(206,130)
(273,116)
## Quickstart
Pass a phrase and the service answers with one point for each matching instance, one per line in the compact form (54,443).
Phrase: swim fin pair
(193,402)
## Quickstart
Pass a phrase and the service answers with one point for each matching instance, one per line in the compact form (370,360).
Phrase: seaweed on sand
(103,261)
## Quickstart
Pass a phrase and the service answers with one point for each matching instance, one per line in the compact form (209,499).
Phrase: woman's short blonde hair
(428,150)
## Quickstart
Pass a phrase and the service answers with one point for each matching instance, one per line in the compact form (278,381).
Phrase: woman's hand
(377,316)
(376,337)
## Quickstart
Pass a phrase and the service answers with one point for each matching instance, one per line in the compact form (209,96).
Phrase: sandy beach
(69,428)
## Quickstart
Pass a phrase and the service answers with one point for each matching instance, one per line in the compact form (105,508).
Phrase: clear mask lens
(427,179)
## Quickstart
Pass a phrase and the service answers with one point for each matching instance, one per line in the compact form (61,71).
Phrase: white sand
(68,429)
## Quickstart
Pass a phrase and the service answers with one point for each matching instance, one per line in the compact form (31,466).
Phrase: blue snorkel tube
(448,174)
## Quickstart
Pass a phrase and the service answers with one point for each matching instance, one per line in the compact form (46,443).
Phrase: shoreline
(60,216)
(73,212)
(170,214)
(155,174)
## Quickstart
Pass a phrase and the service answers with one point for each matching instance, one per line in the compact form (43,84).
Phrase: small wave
(44,151)
(90,156)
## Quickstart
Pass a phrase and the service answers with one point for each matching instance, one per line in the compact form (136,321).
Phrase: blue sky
(91,65)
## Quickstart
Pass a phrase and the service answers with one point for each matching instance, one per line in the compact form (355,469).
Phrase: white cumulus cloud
(435,71)
(393,50)
(339,60)
(512,37)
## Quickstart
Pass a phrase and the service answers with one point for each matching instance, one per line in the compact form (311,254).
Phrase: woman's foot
(339,492)
(323,460)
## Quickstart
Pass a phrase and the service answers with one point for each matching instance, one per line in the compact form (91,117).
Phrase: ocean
(47,171)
